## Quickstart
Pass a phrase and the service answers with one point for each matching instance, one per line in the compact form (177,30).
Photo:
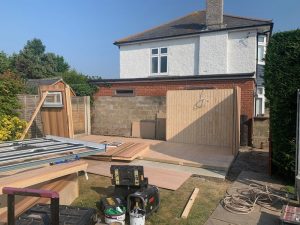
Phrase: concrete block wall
(114,115)
(28,105)
(160,89)
(261,132)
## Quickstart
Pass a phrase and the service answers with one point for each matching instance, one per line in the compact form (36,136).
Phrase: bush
(10,86)
(11,128)
(79,83)
(282,79)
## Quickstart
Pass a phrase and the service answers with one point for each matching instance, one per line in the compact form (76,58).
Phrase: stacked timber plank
(125,152)
(33,177)
(60,178)
(68,190)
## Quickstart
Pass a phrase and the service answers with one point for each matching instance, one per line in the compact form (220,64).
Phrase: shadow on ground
(254,160)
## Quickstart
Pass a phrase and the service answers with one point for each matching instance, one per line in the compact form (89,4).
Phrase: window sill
(261,63)
(53,106)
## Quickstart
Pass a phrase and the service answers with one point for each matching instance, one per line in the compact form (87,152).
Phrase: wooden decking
(210,157)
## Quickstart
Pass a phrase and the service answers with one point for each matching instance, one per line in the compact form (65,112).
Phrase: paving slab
(259,216)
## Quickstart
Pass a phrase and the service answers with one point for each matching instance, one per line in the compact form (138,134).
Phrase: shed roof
(35,83)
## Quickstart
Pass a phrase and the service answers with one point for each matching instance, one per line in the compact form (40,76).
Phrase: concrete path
(260,216)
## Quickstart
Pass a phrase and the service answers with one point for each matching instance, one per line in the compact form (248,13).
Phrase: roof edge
(194,33)
(233,76)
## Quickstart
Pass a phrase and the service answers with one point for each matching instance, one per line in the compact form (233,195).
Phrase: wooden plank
(69,112)
(126,152)
(61,186)
(32,177)
(131,153)
(122,148)
(163,178)
(37,109)
(190,203)
(237,118)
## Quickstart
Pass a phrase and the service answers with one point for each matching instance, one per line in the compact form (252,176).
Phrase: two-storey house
(204,49)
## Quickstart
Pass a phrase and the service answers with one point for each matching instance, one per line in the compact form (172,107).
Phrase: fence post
(87,108)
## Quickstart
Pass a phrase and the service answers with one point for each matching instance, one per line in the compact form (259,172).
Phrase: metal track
(13,152)
(23,165)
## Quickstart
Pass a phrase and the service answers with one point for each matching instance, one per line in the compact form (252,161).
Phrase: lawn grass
(172,202)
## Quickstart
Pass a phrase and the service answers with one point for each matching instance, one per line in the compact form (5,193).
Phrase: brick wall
(114,115)
(29,103)
(160,89)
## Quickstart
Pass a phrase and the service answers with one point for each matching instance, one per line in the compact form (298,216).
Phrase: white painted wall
(213,53)
(241,52)
(210,53)
(183,57)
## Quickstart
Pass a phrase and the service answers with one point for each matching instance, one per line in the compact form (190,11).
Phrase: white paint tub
(137,217)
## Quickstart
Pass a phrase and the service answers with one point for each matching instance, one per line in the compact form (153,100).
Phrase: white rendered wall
(206,54)
(241,52)
(213,53)
(183,58)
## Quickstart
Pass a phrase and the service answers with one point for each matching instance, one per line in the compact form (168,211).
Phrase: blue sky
(83,31)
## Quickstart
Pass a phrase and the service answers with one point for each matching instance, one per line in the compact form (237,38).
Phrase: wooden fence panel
(28,105)
(81,114)
(206,117)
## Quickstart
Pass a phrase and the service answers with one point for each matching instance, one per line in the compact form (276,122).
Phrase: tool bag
(146,199)
(40,214)
(128,176)
(109,203)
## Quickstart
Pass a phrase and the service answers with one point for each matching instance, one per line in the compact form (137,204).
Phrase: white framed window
(261,49)
(53,99)
(260,101)
(159,61)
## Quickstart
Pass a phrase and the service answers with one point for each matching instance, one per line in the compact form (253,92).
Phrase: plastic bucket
(115,216)
(137,217)
(113,219)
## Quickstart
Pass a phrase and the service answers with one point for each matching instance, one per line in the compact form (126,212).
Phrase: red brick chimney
(214,14)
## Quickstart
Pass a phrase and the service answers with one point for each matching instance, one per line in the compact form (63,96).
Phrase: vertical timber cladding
(81,112)
(206,117)
(58,121)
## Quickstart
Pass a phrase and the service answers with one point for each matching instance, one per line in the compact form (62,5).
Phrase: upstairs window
(261,49)
(159,61)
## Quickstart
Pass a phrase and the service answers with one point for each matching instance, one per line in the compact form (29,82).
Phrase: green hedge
(282,79)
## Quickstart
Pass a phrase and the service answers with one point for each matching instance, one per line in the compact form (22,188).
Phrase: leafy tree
(32,62)
(5,62)
(79,83)
(10,86)
(282,79)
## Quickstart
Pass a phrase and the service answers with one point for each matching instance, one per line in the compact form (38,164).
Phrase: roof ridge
(171,21)
(249,18)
